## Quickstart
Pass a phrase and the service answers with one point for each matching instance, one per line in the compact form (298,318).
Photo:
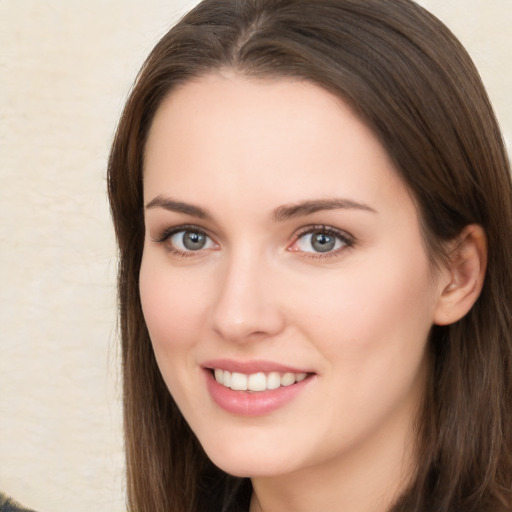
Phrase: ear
(466,272)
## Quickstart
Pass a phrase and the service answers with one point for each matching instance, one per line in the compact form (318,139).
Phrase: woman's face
(283,254)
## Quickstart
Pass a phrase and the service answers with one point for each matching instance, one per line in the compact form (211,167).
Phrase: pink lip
(248,367)
(246,403)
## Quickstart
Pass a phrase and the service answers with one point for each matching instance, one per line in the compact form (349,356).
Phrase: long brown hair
(411,81)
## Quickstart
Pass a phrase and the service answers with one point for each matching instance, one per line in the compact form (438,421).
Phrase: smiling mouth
(256,382)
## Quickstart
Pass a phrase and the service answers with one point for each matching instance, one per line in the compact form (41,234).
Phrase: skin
(356,318)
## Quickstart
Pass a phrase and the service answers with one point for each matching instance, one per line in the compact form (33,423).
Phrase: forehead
(229,136)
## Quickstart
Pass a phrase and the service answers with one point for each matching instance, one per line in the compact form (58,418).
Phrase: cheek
(372,315)
(174,317)
(173,310)
(372,333)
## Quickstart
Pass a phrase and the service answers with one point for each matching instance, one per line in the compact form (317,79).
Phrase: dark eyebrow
(280,214)
(177,206)
(286,212)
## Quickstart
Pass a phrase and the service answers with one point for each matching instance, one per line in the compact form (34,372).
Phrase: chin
(257,462)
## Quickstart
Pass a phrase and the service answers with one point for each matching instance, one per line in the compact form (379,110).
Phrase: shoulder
(9,505)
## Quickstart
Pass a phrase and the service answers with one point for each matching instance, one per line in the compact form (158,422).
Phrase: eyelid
(347,239)
(166,234)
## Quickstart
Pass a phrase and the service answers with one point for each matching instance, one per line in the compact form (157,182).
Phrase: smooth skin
(340,287)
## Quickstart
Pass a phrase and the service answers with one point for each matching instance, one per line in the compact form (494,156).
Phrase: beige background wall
(65,69)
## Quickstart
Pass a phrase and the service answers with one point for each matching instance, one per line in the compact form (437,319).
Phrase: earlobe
(466,269)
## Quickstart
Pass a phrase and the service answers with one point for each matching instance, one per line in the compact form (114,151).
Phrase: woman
(313,207)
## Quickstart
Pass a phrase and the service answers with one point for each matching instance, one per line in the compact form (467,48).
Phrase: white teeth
(273,380)
(238,381)
(287,379)
(256,381)
(219,375)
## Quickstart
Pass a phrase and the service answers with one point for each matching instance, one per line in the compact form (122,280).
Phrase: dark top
(9,505)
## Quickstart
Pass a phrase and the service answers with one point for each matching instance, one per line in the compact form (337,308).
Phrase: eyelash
(167,234)
(345,238)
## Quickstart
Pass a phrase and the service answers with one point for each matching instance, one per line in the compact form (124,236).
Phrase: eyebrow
(304,208)
(177,206)
(280,214)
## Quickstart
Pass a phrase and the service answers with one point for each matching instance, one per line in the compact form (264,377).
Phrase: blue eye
(321,240)
(190,240)
(185,241)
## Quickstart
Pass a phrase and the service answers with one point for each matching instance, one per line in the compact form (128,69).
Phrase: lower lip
(246,403)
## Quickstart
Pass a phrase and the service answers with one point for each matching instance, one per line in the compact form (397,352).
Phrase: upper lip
(249,367)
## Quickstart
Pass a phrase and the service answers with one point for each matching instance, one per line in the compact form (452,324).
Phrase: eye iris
(194,241)
(322,242)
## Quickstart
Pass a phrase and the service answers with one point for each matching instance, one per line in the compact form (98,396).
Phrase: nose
(246,306)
